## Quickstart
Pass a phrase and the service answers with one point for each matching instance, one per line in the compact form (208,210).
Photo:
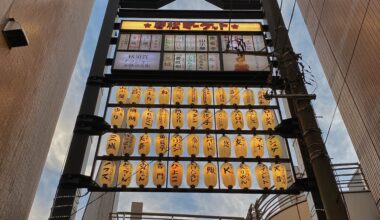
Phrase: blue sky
(339,144)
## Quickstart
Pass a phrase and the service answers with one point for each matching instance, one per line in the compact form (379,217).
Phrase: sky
(338,144)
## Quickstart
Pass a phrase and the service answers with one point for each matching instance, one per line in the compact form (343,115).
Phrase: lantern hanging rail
(128,215)
(192,131)
(193,106)
(291,96)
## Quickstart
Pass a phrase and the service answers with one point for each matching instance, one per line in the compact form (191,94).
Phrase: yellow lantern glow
(125,174)
(224,147)
(178,95)
(144,144)
(257,146)
(252,119)
(228,175)
(192,145)
(128,144)
(206,96)
(122,95)
(240,145)
(164,96)
(220,96)
(150,95)
(177,118)
(136,93)
(192,118)
(161,144)
(248,97)
(107,173)
(162,118)
(234,96)
(279,175)
(244,176)
(207,119)
(237,119)
(193,174)
(262,176)
(268,118)
(117,117)
(142,173)
(132,117)
(159,174)
(210,175)
(113,144)
(221,118)
(261,97)
(176,173)
(209,145)
(274,146)
(176,145)
(192,96)
(147,118)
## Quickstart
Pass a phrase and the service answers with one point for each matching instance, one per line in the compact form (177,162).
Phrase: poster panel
(168,63)
(190,42)
(213,62)
(247,39)
(213,44)
(201,42)
(235,62)
(258,42)
(124,41)
(145,41)
(156,42)
(169,43)
(137,61)
(134,43)
(191,61)
(180,42)
(179,61)
(202,62)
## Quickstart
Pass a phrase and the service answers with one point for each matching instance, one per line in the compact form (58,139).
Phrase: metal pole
(66,200)
(313,145)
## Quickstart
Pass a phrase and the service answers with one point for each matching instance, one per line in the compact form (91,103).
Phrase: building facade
(346,36)
(33,84)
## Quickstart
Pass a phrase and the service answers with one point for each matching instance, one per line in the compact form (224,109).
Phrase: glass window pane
(213,44)
(248,43)
(213,62)
(145,42)
(202,62)
(156,42)
(168,63)
(169,42)
(258,42)
(226,42)
(201,42)
(234,62)
(190,42)
(191,63)
(180,42)
(134,43)
(124,41)
(179,61)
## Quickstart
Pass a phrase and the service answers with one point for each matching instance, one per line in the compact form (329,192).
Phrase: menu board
(235,62)
(190,42)
(258,42)
(202,62)
(180,42)
(156,42)
(145,41)
(168,63)
(247,39)
(213,62)
(137,61)
(124,41)
(213,44)
(179,61)
(201,42)
(134,43)
(191,61)
(169,43)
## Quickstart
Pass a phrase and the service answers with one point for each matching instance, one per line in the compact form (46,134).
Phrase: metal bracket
(74,181)
(91,125)
(303,184)
(276,83)
(98,81)
(289,128)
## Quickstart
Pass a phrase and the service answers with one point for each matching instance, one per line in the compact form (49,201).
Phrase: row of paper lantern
(193,171)
(205,95)
(194,119)
(161,142)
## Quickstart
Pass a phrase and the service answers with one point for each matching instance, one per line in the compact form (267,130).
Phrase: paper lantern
(262,176)
(150,95)
(248,97)
(178,94)
(209,145)
(237,119)
(268,119)
(240,145)
(142,173)
(234,96)
(228,176)
(192,118)
(113,144)
(257,146)
(164,96)
(117,117)
(162,118)
(192,96)
(193,174)
(252,119)
(135,95)
(144,144)
(122,95)
(128,144)
(221,118)
(132,117)
(159,174)
(280,177)
(206,96)
(192,145)
(125,174)
(176,173)
(261,96)
(161,144)
(176,145)
(107,173)
(210,175)
(244,176)
(147,118)
(220,96)
(224,147)
(274,146)
(207,119)
(177,118)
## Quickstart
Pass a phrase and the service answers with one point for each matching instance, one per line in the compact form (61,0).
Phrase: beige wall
(346,35)
(33,84)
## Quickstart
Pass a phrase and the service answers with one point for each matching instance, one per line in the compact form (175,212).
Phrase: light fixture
(14,34)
